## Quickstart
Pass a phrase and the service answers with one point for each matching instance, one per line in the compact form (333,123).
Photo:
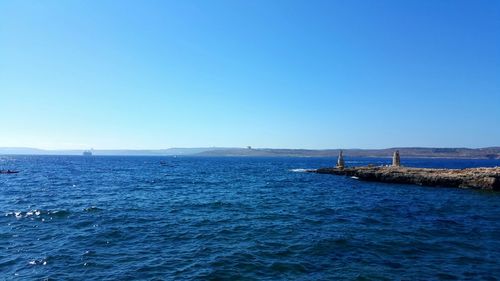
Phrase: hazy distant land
(417,152)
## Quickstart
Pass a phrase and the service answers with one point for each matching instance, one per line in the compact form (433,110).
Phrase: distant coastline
(407,152)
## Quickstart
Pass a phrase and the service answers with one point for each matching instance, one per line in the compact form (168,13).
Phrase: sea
(237,218)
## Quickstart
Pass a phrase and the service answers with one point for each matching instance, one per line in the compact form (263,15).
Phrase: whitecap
(38,214)
(38,262)
(301,170)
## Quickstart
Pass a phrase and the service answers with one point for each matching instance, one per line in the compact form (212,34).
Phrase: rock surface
(476,178)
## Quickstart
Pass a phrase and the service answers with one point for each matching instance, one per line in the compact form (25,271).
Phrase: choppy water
(122,218)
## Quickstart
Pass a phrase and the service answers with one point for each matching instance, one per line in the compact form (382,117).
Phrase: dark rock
(476,178)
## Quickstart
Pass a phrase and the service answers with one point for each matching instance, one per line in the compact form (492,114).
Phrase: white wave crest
(301,170)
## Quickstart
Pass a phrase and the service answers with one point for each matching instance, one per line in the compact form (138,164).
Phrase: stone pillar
(396,161)
(340,161)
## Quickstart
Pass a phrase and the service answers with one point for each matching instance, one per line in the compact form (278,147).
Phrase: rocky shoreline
(475,178)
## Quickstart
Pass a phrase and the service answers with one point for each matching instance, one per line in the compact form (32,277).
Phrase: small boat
(8,172)
(354,177)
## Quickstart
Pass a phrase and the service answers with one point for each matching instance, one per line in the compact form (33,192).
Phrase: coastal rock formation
(476,178)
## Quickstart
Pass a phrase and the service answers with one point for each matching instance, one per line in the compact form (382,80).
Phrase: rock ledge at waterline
(476,178)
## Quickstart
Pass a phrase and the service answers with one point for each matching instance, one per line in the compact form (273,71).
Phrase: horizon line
(240,147)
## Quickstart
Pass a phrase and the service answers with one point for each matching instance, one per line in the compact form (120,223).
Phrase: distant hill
(20,150)
(416,152)
(110,152)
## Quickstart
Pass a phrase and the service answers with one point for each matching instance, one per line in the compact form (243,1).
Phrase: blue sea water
(133,218)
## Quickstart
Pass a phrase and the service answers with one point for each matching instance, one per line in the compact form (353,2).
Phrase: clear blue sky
(292,74)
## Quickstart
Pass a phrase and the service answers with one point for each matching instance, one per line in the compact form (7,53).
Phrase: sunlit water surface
(123,218)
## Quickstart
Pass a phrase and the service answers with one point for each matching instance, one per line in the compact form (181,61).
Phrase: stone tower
(340,161)
(396,161)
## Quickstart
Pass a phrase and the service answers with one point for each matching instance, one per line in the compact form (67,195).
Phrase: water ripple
(128,218)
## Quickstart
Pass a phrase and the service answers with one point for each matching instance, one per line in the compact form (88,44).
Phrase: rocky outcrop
(476,178)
